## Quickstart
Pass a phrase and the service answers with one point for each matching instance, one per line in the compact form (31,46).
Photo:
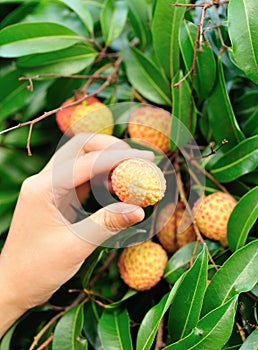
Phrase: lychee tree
(196,60)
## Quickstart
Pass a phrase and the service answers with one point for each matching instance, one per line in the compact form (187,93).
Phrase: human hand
(41,251)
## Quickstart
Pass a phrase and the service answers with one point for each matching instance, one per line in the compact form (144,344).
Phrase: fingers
(84,143)
(108,221)
(74,173)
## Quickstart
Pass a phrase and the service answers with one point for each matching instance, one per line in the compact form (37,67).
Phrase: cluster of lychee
(141,182)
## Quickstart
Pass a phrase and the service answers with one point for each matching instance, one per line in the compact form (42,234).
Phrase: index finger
(84,143)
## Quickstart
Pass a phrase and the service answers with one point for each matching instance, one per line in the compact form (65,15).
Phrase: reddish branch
(109,80)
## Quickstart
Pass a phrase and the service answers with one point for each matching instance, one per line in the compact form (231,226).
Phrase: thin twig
(46,342)
(184,200)
(213,151)
(31,123)
(159,339)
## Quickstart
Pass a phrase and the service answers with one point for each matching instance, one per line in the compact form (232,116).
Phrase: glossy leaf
(212,331)
(139,17)
(186,305)
(242,219)
(151,320)
(5,342)
(114,330)
(67,334)
(166,24)
(251,341)
(80,7)
(130,293)
(221,115)
(238,274)
(185,111)
(13,93)
(89,266)
(205,74)
(250,127)
(146,77)
(240,160)
(28,38)
(91,321)
(242,18)
(113,19)
(67,61)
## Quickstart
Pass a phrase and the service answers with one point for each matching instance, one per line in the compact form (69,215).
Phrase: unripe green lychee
(174,227)
(138,181)
(142,266)
(151,126)
(212,214)
(92,116)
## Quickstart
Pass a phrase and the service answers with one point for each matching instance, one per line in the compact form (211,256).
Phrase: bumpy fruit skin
(212,214)
(138,181)
(92,116)
(88,116)
(174,227)
(151,126)
(142,266)
(63,117)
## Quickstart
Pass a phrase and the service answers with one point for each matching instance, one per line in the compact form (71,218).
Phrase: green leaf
(67,334)
(251,341)
(186,305)
(28,38)
(166,24)
(242,219)
(221,115)
(80,7)
(113,19)
(250,127)
(238,274)
(205,74)
(5,343)
(146,77)
(240,160)
(139,17)
(184,113)
(242,29)
(91,322)
(66,61)
(150,323)
(130,293)
(114,330)
(13,93)
(89,266)
(212,331)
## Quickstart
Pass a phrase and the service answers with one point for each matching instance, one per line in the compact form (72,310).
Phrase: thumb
(108,221)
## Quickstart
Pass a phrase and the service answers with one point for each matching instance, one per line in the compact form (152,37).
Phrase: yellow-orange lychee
(151,126)
(212,214)
(142,266)
(137,181)
(92,116)
(174,227)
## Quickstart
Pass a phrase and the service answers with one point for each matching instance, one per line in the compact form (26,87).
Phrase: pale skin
(41,251)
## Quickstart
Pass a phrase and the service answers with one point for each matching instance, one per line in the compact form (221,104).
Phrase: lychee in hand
(137,181)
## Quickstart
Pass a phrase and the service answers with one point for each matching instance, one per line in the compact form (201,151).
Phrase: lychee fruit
(88,116)
(137,181)
(63,117)
(142,266)
(212,214)
(151,126)
(92,116)
(174,227)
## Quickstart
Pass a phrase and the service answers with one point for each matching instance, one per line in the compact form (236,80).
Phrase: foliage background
(143,48)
